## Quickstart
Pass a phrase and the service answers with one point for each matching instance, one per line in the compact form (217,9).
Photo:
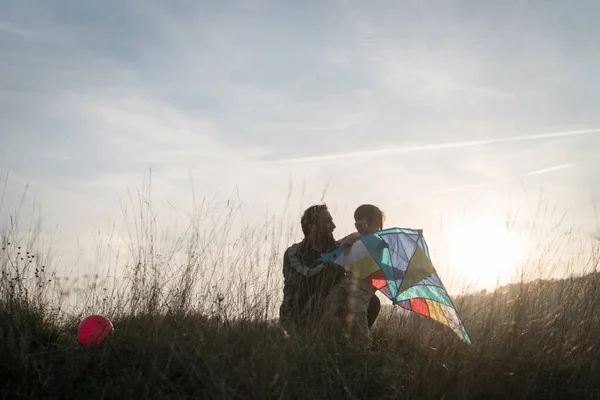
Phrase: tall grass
(195,309)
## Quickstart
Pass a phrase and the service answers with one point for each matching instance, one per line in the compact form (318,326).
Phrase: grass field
(177,336)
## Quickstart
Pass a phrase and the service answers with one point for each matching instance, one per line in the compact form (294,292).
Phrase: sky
(445,114)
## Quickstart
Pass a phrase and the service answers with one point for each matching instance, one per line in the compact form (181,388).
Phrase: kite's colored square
(377,279)
(363,267)
(419,306)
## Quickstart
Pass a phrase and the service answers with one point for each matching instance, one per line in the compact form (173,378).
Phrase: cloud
(12,29)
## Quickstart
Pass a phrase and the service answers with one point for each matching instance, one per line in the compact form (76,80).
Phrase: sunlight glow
(483,252)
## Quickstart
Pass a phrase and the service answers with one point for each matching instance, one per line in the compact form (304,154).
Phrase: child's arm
(350,239)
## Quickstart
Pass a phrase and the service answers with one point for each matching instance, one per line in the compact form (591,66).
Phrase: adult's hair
(372,213)
(310,217)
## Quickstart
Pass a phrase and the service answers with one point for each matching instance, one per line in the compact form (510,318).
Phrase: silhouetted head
(317,225)
(368,219)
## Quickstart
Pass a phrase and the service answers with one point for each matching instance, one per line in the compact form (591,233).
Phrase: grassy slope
(526,346)
(534,340)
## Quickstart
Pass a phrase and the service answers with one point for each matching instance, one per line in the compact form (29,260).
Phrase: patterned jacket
(306,284)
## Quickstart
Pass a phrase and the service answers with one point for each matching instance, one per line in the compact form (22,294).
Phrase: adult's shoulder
(293,249)
(295,245)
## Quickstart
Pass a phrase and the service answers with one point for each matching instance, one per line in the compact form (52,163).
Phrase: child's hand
(349,240)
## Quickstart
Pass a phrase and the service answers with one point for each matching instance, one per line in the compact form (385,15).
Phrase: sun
(483,252)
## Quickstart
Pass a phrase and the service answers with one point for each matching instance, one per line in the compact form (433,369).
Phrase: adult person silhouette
(307,280)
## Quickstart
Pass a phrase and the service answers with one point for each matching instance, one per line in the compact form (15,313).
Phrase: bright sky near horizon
(451,116)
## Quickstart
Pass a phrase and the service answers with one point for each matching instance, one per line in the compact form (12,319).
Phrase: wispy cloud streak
(435,147)
(551,169)
(508,179)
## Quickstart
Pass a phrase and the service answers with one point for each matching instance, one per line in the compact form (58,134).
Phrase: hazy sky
(432,110)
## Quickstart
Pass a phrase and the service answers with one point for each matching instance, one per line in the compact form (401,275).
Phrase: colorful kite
(396,261)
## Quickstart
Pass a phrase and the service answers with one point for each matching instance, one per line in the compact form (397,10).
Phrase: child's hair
(372,213)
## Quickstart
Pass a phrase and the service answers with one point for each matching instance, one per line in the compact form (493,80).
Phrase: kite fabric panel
(396,261)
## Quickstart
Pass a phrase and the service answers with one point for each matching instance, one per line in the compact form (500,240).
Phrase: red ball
(93,330)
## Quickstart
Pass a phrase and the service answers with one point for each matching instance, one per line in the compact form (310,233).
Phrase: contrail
(433,147)
(546,170)
(472,186)
(496,181)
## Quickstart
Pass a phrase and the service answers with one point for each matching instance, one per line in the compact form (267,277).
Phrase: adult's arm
(297,265)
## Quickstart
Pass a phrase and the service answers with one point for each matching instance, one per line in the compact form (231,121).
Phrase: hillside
(534,340)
